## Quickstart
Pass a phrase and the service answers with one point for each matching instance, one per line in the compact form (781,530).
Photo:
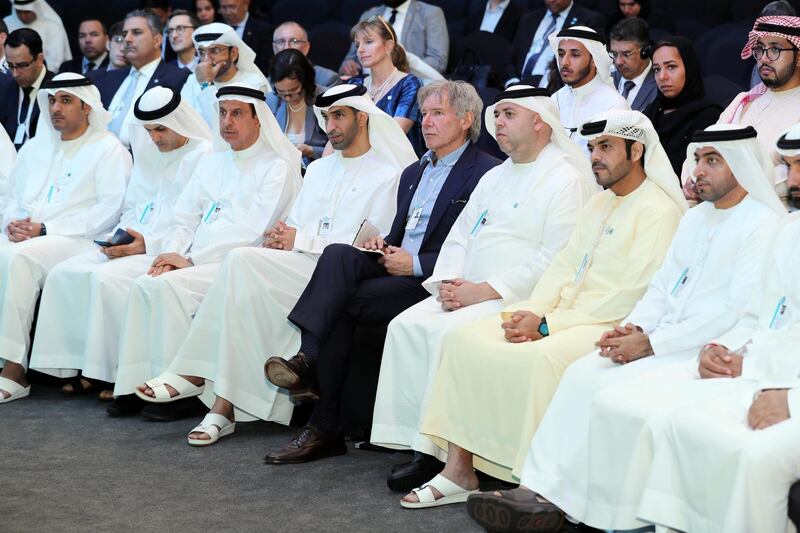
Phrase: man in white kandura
(224,60)
(68,187)
(243,319)
(237,192)
(585,68)
(8,156)
(694,297)
(519,216)
(43,19)
(729,455)
(169,140)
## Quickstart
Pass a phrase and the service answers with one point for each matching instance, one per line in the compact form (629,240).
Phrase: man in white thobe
(585,69)
(68,187)
(773,105)
(243,319)
(169,141)
(232,197)
(43,19)
(726,461)
(519,216)
(694,297)
(224,60)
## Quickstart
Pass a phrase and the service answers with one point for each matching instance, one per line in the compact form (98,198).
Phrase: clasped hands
(523,327)
(396,261)
(168,262)
(624,344)
(23,229)
(280,237)
(717,362)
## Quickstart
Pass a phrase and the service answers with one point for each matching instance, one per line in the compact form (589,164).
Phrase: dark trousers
(348,288)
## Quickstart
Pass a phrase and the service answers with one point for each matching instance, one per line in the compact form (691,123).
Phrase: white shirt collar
(401,9)
(148,69)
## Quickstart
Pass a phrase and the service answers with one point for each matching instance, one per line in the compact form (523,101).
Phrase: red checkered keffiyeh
(786,27)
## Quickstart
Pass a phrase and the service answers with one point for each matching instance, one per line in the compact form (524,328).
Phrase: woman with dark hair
(681,107)
(389,83)
(207,11)
(294,91)
(643,9)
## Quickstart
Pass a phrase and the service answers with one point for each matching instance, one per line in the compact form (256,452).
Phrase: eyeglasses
(291,43)
(286,94)
(20,66)
(212,51)
(773,52)
(625,55)
(180,30)
(119,39)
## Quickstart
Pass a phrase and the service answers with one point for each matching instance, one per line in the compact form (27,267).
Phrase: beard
(781,76)
(794,197)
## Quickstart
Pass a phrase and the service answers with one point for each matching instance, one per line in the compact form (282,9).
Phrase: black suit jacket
(577,16)
(258,36)
(455,193)
(506,26)
(9,104)
(76,65)
(109,81)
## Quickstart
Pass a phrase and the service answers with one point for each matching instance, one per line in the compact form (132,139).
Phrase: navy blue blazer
(9,104)
(257,35)
(76,65)
(109,81)
(455,193)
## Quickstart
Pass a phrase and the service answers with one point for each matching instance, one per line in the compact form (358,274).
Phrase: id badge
(582,268)
(147,213)
(52,194)
(781,314)
(680,283)
(212,214)
(479,223)
(413,220)
(19,137)
(325,226)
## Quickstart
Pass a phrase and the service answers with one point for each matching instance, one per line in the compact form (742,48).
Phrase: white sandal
(16,390)
(451,493)
(185,388)
(216,426)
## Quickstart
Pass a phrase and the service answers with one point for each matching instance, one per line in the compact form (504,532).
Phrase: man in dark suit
(93,42)
(500,17)
(351,287)
(19,111)
(255,32)
(530,55)
(630,48)
(119,88)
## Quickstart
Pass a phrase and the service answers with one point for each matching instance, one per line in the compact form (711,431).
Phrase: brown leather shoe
(297,372)
(309,445)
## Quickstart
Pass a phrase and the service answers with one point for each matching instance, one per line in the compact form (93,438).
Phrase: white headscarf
(539,101)
(746,158)
(222,34)
(635,126)
(788,144)
(43,12)
(271,133)
(164,106)
(594,44)
(385,135)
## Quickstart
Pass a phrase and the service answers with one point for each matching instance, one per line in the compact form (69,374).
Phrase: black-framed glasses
(773,52)
(20,66)
(180,30)
(291,43)
(119,39)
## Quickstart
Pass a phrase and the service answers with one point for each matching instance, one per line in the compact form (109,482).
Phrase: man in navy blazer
(530,47)
(630,48)
(505,26)
(119,88)
(255,32)
(351,287)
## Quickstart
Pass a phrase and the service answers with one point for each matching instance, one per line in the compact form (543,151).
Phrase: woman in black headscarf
(681,107)
(643,9)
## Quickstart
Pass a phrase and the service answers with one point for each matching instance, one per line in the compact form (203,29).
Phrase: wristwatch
(43,231)
(544,331)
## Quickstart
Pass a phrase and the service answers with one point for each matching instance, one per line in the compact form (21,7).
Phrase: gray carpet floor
(66,466)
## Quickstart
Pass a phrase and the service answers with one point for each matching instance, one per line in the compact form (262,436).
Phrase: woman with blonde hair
(388,83)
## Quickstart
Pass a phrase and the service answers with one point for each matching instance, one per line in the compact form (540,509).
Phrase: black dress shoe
(177,410)
(309,445)
(125,405)
(407,476)
(296,373)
